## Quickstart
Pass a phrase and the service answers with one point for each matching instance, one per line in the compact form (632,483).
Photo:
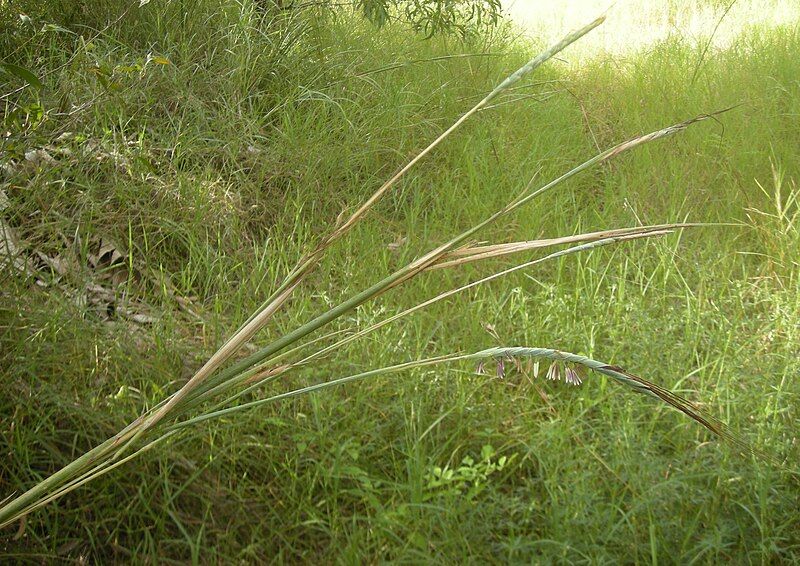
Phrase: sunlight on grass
(635,24)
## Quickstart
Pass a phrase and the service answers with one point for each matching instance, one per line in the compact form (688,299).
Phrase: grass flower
(553,372)
(571,376)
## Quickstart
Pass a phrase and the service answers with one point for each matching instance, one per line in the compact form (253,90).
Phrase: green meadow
(165,167)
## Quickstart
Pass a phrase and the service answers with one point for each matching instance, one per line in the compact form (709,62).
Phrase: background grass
(210,174)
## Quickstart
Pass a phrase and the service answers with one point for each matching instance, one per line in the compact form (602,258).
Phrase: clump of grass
(198,396)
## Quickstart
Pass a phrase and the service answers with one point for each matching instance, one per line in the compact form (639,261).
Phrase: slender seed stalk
(636,383)
(124,440)
(213,379)
(417,266)
(613,236)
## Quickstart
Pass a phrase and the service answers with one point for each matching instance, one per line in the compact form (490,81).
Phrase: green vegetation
(173,167)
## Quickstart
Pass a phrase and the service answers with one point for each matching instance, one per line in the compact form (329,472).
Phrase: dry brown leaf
(10,250)
(397,244)
(58,264)
(39,157)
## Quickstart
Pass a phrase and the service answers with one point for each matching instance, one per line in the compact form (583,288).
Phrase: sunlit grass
(637,25)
